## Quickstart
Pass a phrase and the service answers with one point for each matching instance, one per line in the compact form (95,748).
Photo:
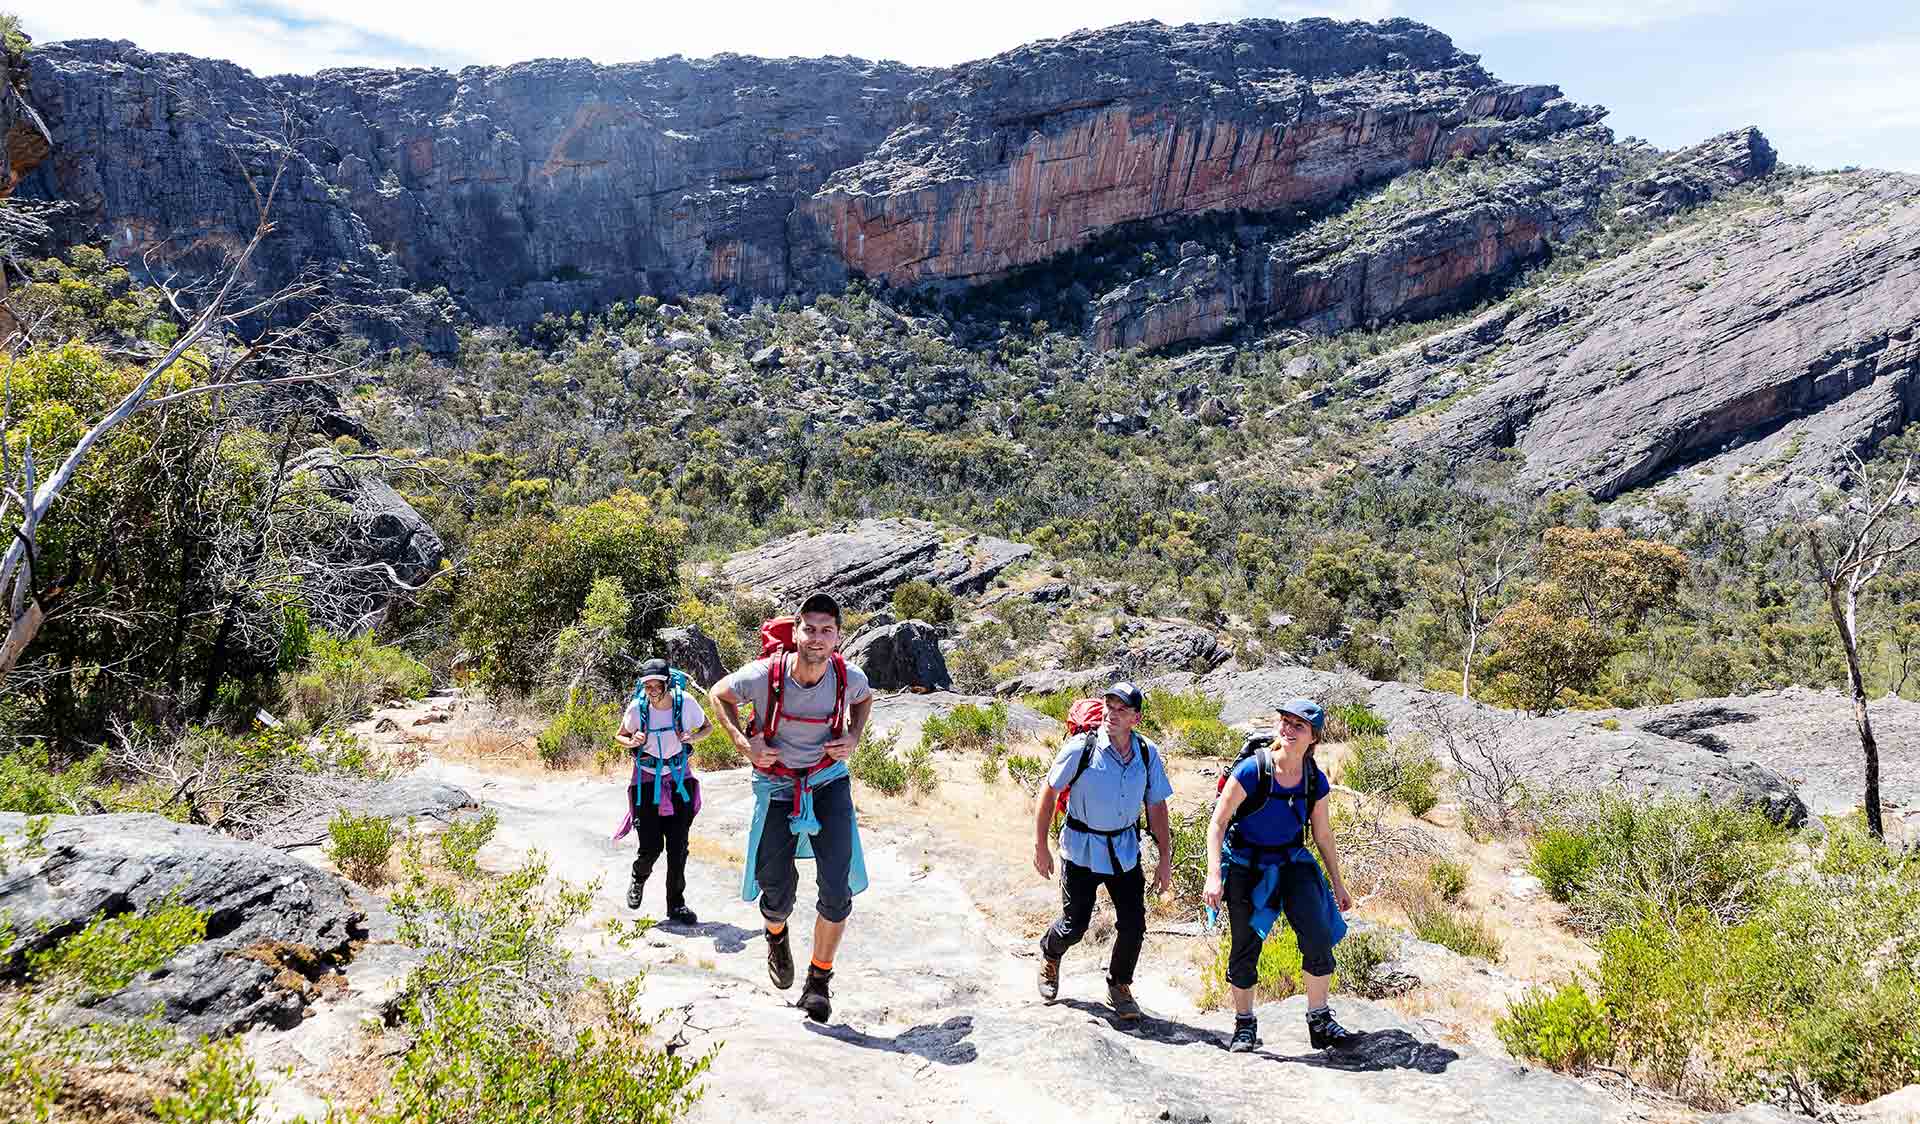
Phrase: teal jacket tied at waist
(1266,892)
(803,822)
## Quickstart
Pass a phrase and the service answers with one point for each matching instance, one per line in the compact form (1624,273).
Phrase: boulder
(1157,645)
(901,656)
(384,528)
(1046,682)
(693,652)
(1899,1107)
(864,563)
(275,923)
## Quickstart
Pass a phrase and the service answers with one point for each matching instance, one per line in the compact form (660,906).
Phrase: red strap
(776,685)
(775,676)
(802,778)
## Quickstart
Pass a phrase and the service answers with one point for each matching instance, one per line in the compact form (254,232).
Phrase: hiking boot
(1246,1035)
(814,999)
(1120,998)
(681,915)
(635,889)
(1049,977)
(779,960)
(1326,1034)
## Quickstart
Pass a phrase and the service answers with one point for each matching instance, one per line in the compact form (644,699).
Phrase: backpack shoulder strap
(679,704)
(1262,786)
(1086,759)
(776,675)
(839,723)
(1307,773)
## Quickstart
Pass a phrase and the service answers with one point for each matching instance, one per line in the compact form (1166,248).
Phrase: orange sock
(776,929)
(827,967)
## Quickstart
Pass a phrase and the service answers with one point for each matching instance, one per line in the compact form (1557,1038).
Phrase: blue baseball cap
(1128,694)
(1307,711)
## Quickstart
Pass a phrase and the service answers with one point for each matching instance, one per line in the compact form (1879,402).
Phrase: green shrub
(528,579)
(221,1087)
(360,845)
(585,660)
(31,785)
(1448,879)
(1353,720)
(1188,722)
(1029,773)
(462,840)
(1362,958)
(1053,704)
(345,679)
(920,601)
(1187,832)
(716,751)
(967,727)
(577,732)
(873,764)
(1664,856)
(1455,929)
(1560,858)
(1403,772)
(106,955)
(922,777)
(1278,975)
(1563,1029)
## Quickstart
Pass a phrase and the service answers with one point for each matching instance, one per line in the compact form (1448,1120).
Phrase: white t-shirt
(661,741)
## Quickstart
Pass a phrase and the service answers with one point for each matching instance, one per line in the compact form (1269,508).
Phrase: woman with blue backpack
(1273,797)
(660,726)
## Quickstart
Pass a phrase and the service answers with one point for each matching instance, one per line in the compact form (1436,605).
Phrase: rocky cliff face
(1737,360)
(555,185)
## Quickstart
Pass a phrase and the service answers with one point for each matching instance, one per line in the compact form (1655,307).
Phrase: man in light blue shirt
(1108,774)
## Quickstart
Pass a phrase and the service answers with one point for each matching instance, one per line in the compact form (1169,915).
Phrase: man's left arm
(1157,819)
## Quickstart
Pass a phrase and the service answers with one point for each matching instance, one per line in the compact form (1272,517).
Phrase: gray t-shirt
(800,743)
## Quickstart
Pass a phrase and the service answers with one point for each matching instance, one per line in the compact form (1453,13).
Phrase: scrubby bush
(873,764)
(462,840)
(529,578)
(967,727)
(1561,857)
(1029,773)
(1456,929)
(577,732)
(1278,975)
(106,955)
(1352,720)
(585,661)
(1188,722)
(1448,879)
(716,751)
(345,679)
(922,777)
(1660,857)
(1563,1029)
(1363,957)
(920,601)
(221,1087)
(360,845)
(1403,772)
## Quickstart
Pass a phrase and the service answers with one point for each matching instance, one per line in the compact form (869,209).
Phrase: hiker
(1259,828)
(809,709)
(660,723)
(1108,772)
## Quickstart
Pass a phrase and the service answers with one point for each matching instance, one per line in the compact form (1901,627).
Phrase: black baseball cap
(654,669)
(821,601)
(1127,693)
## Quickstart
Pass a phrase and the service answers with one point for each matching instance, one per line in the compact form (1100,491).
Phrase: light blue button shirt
(1107,795)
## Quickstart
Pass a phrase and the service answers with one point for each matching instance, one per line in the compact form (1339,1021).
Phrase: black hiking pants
(778,873)
(658,833)
(1128,892)
(1300,892)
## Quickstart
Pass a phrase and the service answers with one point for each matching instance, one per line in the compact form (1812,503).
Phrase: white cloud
(322,33)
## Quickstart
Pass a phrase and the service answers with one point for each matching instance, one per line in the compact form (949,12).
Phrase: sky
(1831,84)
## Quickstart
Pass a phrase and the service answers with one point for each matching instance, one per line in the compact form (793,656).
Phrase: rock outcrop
(902,656)
(1737,360)
(693,652)
(383,530)
(1805,735)
(1563,750)
(558,184)
(274,926)
(1424,243)
(865,563)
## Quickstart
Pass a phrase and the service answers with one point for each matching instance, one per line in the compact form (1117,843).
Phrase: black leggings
(1300,897)
(658,832)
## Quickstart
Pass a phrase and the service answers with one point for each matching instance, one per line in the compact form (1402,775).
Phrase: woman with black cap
(658,727)
(1260,824)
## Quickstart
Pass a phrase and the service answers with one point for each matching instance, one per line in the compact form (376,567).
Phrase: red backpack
(1083,717)
(776,640)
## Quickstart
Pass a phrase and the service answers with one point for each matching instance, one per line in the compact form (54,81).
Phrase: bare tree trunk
(1466,664)
(1844,617)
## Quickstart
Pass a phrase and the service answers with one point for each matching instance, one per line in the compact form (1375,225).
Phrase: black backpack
(1258,746)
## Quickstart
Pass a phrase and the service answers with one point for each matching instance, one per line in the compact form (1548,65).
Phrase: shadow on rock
(726,937)
(938,1042)
(1148,1027)
(1379,1050)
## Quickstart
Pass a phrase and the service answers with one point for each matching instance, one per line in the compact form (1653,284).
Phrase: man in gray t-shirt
(810,740)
